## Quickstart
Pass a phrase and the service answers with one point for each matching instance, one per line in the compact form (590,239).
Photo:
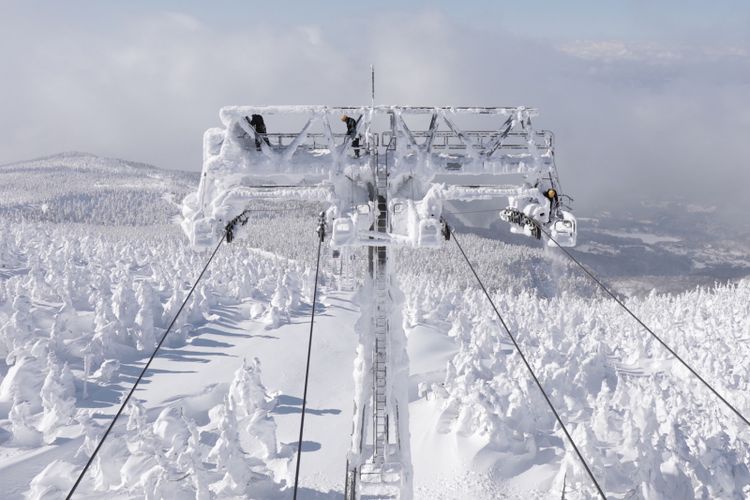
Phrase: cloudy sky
(643,96)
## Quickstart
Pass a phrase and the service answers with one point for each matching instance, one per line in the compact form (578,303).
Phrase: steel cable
(321,235)
(649,330)
(143,372)
(528,366)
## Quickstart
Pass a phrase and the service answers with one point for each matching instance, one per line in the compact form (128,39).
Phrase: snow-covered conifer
(144,319)
(24,378)
(191,462)
(19,330)
(227,455)
(58,401)
(281,297)
(54,481)
(291,282)
(252,405)
(125,308)
(23,432)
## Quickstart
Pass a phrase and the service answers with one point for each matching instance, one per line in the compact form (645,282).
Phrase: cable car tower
(387,191)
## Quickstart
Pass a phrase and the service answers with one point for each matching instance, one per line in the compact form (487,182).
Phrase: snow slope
(88,283)
(80,187)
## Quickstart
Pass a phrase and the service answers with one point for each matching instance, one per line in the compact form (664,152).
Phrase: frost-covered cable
(143,372)
(649,330)
(528,366)
(321,237)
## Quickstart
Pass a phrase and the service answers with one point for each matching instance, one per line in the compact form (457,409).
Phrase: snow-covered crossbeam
(324,153)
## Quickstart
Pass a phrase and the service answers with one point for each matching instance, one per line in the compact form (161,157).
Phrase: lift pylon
(386,189)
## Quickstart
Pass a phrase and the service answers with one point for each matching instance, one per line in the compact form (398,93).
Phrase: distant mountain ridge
(663,245)
(79,159)
(85,188)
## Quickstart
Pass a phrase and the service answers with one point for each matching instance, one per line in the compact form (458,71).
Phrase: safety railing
(441,140)
(312,141)
(445,139)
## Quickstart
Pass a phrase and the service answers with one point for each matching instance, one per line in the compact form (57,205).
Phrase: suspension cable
(649,330)
(143,372)
(321,236)
(528,366)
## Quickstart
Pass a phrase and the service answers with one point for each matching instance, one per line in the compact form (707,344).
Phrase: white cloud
(615,50)
(653,52)
(629,117)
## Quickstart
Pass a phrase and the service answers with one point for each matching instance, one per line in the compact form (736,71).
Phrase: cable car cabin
(387,176)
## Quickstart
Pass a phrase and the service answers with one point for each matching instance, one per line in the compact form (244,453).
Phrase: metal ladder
(380,326)
(378,477)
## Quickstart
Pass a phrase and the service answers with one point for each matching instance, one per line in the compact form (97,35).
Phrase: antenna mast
(372,83)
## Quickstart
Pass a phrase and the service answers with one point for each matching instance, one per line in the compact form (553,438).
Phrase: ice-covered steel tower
(386,189)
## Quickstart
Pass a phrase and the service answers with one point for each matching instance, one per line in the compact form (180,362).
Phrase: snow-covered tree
(191,462)
(227,454)
(58,399)
(19,330)
(24,434)
(54,481)
(252,404)
(144,319)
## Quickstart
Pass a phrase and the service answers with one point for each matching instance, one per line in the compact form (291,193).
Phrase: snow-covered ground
(92,268)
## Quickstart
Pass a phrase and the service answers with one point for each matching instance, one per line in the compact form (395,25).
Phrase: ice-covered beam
(230,114)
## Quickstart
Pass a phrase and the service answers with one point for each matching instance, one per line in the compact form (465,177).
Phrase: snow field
(644,423)
(82,304)
(80,308)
